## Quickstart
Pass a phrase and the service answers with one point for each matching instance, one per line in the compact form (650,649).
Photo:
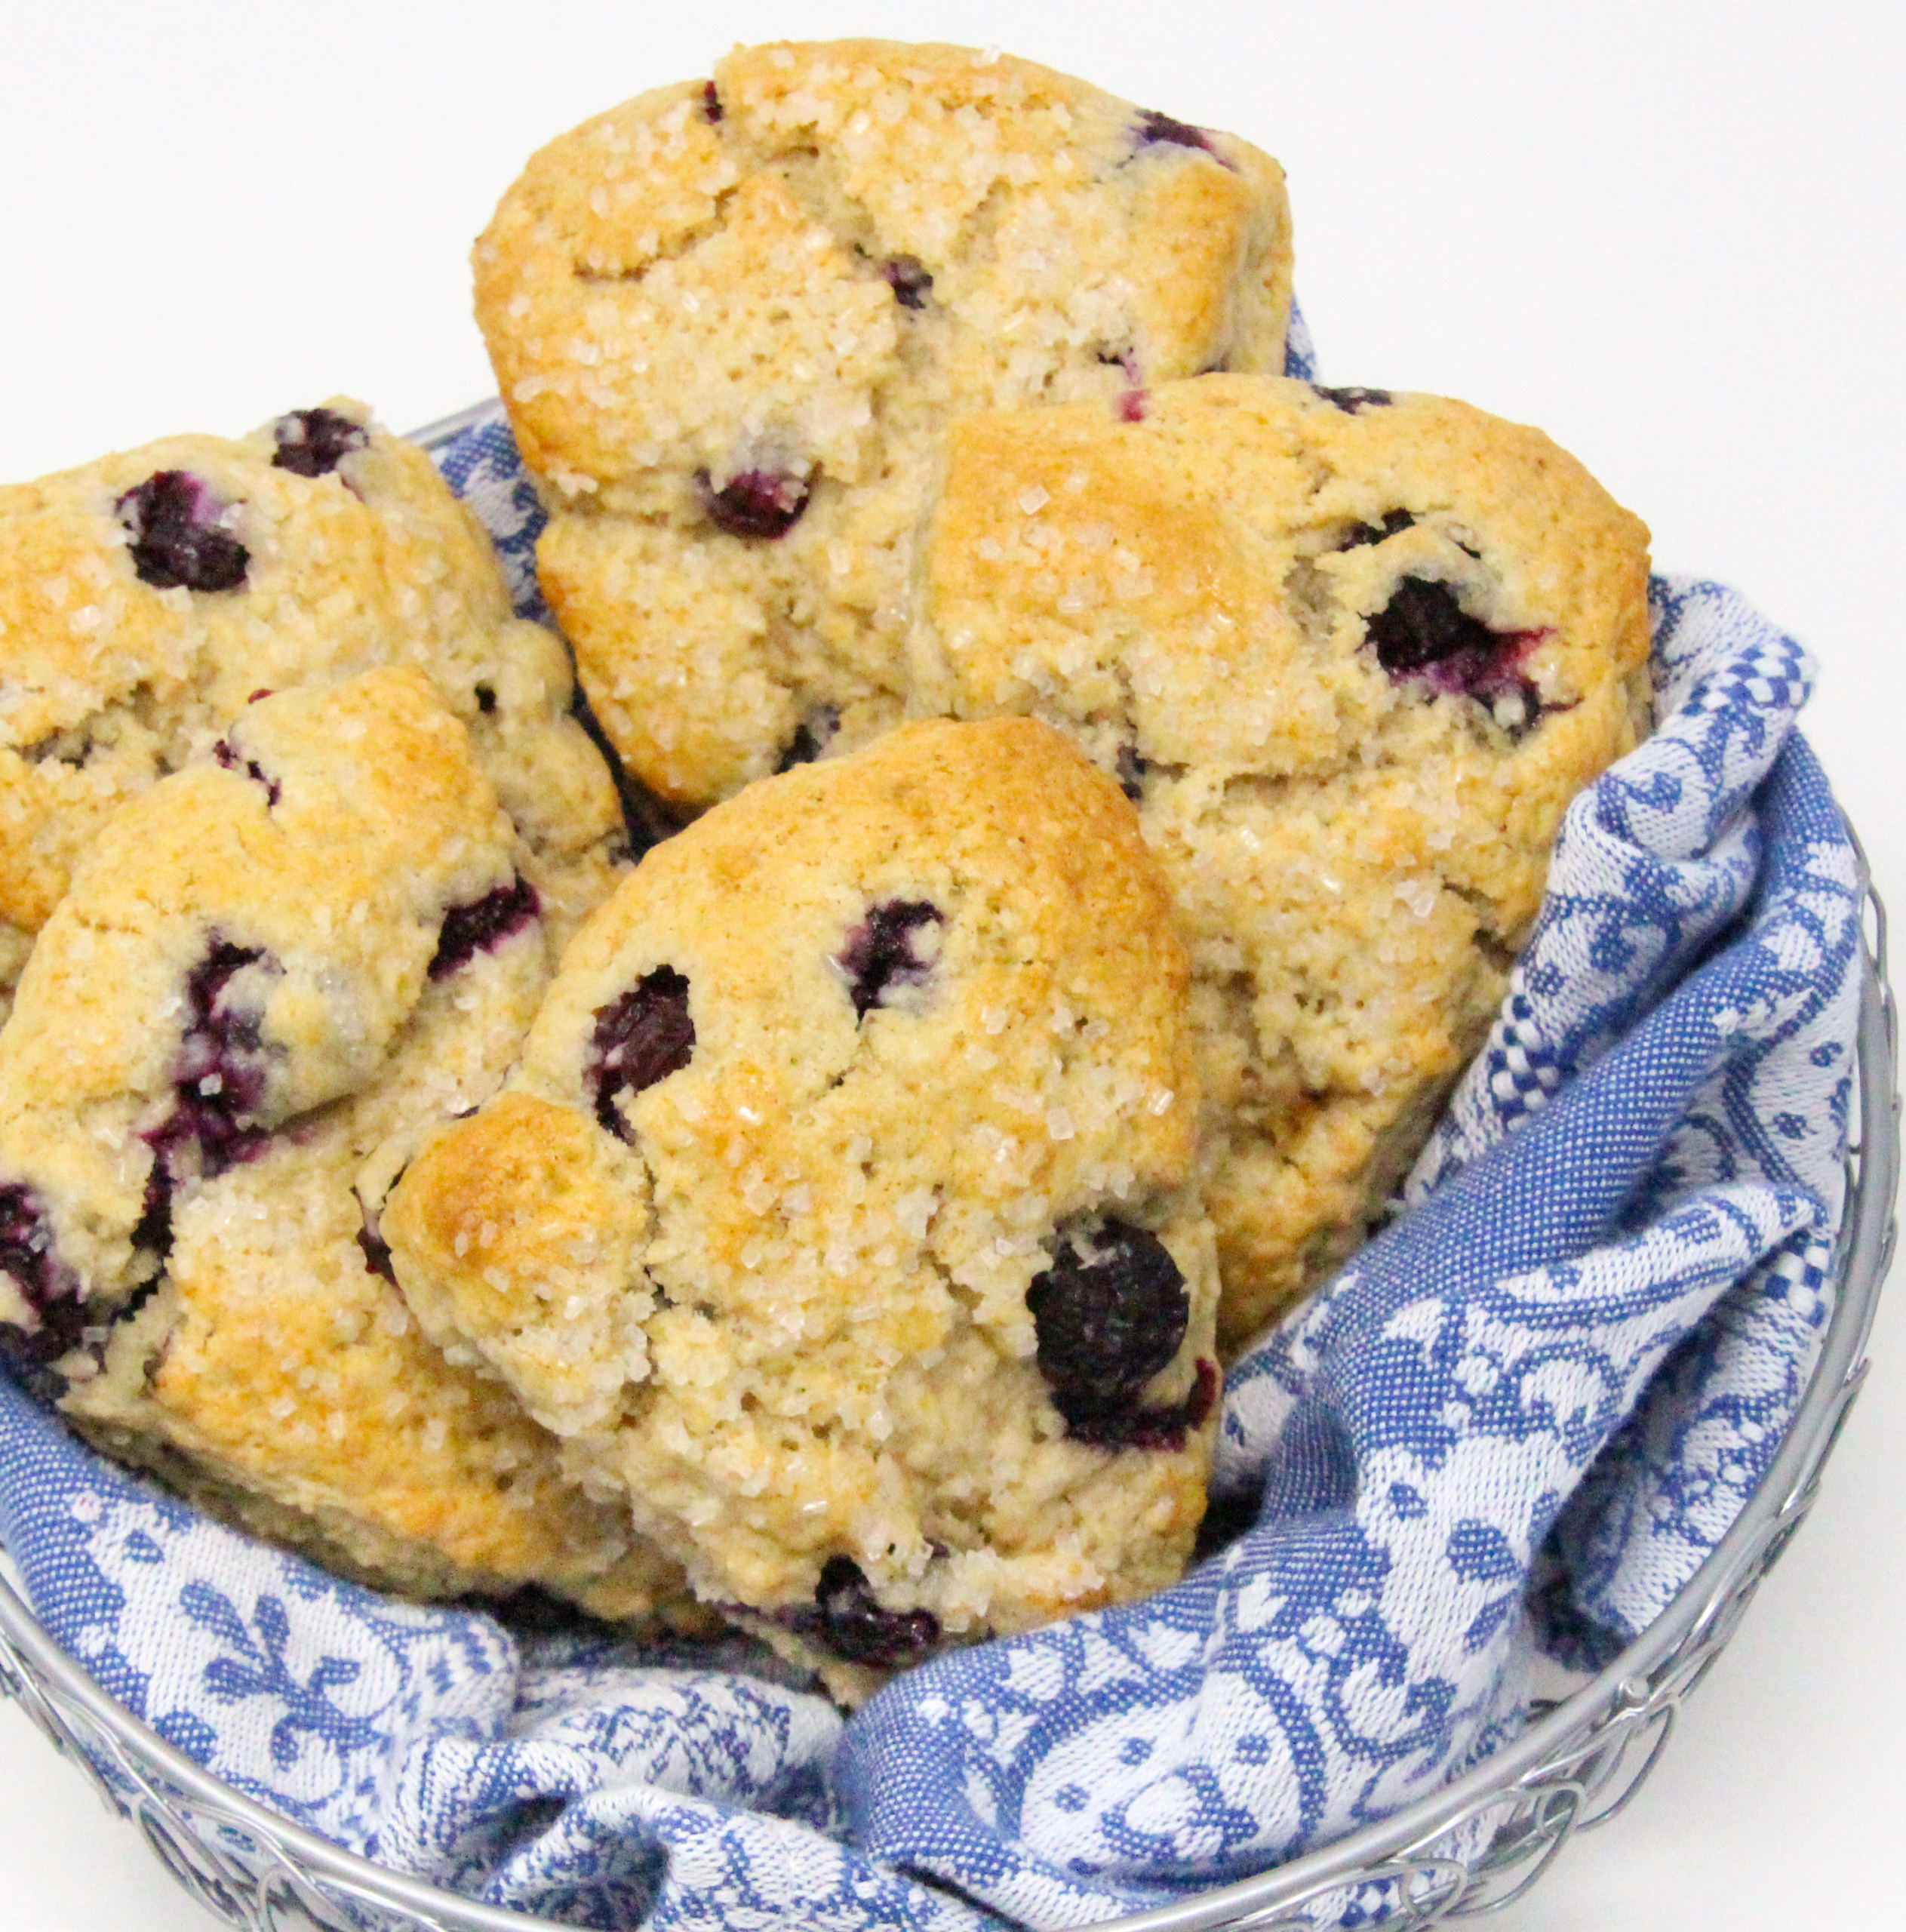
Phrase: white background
(1670,234)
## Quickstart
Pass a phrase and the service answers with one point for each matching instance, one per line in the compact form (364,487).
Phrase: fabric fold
(1512,1426)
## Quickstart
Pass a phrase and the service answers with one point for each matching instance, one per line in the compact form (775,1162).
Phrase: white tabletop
(1669,235)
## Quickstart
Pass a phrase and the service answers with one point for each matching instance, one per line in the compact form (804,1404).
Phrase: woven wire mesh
(1471,1847)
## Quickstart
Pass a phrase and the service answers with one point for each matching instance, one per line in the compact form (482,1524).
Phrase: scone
(1351,654)
(837,1213)
(146,597)
(271,967)
(730,318)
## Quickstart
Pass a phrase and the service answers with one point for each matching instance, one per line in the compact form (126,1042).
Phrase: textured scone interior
(839,1212)
(1350,654)
(729,318)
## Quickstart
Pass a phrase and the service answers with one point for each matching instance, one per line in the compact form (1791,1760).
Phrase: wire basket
(1474,1844)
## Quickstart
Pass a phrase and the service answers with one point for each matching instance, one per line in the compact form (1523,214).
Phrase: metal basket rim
(1862,1252)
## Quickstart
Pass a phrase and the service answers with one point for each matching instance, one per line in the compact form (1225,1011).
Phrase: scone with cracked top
(273,967)
(1350,654)
(729,319)
(839,1212)
(146,597)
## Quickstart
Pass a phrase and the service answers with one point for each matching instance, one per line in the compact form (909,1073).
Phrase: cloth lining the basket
(1515,1423)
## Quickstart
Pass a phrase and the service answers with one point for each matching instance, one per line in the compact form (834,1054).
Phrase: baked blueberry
(909,279)
(28,1256)
(852,1624)
(218,1080)
(1155,128)
(788,1320)
(763,503)
(882,954)
(1424,632)
(1394,523)
(225,754)
(643,1036)
(810,323)
(313,442)
(484,923)
(179,537)
(1110,1312)
(810,737)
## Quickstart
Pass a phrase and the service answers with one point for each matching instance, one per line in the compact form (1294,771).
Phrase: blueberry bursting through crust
(218,1084)
(47,1286)
(1424,632)
(849,1620)
(761,503)
(174,524)
(483,924)
(643,1036)
(880,954)
(313,442)
(1110,1313)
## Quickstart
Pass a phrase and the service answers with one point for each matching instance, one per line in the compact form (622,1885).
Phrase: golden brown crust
(244,1000)
(108,681)
(872,239)
(816,1235)
(1354,855)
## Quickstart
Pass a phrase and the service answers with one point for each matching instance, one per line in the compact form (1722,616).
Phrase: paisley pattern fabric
(1512,1427)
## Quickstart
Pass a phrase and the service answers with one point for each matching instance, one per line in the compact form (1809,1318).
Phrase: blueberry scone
(839,1212)
(146,597)
(729,319)
(273,967)
(1350,654)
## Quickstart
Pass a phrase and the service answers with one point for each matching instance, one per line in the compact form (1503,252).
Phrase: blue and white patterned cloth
(1514,1425)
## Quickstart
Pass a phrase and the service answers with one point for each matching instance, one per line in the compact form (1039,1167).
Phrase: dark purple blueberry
(853,1626)
(810,737)
(1132,768)
(754,503)
(909,279)
(219,1080)
(1154,127)
(640,1038)
(486,698)
(226,755)
(484,924)
(376,1250)
(1424,632)
(313,442)
(173,518)
(1110,1313)
(712,107)
(153,1231)
(1351,401)
(49,1288)
(879,955)
(1423,624)
(1394,523)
